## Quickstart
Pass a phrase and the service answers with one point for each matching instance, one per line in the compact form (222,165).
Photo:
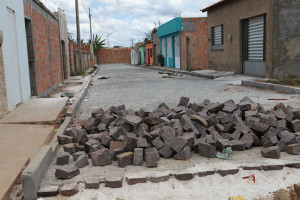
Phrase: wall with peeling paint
(286,38)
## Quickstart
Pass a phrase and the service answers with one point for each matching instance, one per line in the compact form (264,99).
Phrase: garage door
(253,46)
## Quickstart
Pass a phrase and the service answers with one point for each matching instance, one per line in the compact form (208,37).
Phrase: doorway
(188,64)
(253,46)
(30,51)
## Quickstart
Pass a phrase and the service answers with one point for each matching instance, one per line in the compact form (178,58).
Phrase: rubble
(132,137)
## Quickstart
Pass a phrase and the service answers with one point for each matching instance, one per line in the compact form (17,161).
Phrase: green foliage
(98,43)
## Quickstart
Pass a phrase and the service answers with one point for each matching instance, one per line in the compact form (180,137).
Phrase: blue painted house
(169,34)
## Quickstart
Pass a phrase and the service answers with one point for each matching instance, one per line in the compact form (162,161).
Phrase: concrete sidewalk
(29,127)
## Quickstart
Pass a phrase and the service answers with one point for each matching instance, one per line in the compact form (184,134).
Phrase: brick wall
(46,42)
(74,59)
(114,55)
(198,44)
(3,100)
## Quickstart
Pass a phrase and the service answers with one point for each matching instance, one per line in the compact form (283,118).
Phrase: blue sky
(124,20)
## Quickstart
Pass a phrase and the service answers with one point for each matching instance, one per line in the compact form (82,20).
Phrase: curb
(270,86)
(182,72)
(35,171)
(98,68)
(37,168)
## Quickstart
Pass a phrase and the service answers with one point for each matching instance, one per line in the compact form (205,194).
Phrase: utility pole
(132,42)
(107,39)
(91,35)
(78,38)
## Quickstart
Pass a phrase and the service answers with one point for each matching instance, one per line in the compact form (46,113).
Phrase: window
(217,40)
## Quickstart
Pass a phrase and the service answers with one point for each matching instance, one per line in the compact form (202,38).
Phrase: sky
(121,21)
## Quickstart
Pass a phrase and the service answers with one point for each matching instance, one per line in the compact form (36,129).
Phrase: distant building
(255,37)
(183,43)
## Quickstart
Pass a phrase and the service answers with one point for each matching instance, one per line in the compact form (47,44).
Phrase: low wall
(114,55)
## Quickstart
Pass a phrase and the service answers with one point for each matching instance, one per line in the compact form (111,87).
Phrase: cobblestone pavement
(138,87)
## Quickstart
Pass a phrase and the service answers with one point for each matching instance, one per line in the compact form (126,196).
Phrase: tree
(149,36)
(98,43)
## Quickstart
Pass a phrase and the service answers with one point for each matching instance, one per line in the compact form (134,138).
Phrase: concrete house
(149,46)
(14,70)
(183,43)
(255,37)
(156,47)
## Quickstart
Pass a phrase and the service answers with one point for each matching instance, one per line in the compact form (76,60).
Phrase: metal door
(177,52)
(254,46)
(14,93)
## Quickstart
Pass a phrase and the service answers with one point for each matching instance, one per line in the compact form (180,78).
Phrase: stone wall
(3,100)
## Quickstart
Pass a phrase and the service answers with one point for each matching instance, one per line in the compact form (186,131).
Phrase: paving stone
(251,113)
(92,184)
(69,189)
(125,159)
(184,101)
(82,161)
(62,158)
(96,147)
(293,165)
(207,150)
(272,167)
(142,143)
(242,128)
(158,143)
(143,112)
(90,143)
(229,127)
(133,120)
(70,148)
(152,157)
(187,124)
(206,173)
(227,172)
(272,132)
(282,145)
(229,108)
(289,138)
(189,137)
(98,111)
(271,152)
(248,139)
(236,135)
(282,124)
(256,140)
(116,132)
(258,168)
(71,132)
(212,120)
(158,179)
(297,190)
(48,191)
(101,127)
(64,139)
(226,119)
(66,172)
(199,120)
(138,157)
(294,125)
(168,136)
(210,140)
(220,128)
(114,182)
(184,154)
(106,118)
(115,145)
(152,121)
(238,145)
(116,152)
(222,144)
(184,176)
(215,107)
(133,181)
(166,151)
(178,144)
(77,154)
(260,127)
(244,106)
(279,113)
(293,149)
(105,140)
(79,148)
(196,143)
(101,157)
(129,142)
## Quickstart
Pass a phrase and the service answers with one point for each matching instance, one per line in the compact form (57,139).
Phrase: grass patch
(290,80)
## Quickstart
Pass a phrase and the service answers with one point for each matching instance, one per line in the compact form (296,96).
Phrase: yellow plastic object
(236,198)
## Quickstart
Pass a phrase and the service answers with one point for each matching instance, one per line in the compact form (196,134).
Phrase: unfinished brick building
(44,51)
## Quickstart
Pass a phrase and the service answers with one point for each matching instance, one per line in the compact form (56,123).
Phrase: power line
(84,8)
(66,5)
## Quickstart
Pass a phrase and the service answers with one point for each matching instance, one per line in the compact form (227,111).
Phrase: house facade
(156,47)
(14,70)
(43,47)
(254,37)
(183,43)
(149,46)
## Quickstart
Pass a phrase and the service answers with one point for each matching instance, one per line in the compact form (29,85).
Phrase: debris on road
(104,77)
(132,137)
(250,178)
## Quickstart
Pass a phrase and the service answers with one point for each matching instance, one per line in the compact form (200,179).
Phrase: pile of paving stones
(132,137)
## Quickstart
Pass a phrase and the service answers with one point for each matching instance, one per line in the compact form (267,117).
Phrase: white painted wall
(21,51)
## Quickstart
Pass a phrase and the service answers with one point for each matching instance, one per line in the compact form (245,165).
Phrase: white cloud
(125,19)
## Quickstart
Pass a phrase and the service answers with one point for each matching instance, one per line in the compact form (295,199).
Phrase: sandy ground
(210,187)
